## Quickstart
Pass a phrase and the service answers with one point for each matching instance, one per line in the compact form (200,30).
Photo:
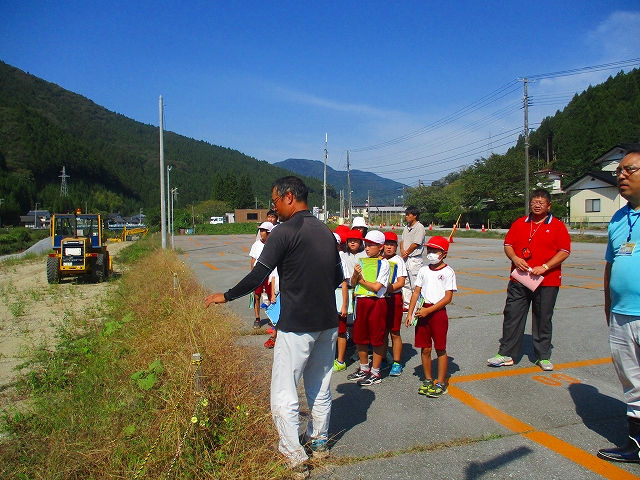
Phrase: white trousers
(309,356)
(413,266)
(624,339)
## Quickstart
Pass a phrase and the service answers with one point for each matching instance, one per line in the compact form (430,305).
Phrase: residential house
(594,197)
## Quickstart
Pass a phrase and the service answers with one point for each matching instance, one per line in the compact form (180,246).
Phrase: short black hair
(272,212)
(413,211)
(541,193)
(291,184)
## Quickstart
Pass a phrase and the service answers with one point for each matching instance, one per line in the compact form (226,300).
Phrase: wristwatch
(546,267)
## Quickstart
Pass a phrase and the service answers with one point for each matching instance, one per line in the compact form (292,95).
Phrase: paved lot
(512,422)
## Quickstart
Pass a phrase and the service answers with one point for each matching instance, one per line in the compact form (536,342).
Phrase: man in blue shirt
(622,302)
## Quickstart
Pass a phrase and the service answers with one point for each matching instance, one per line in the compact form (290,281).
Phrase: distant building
(36,219)
(554,182)
(247,215)
(594,197)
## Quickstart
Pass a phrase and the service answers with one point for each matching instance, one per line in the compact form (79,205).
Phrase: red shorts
(394,311)
(432,327)
(370,324)
(265,287)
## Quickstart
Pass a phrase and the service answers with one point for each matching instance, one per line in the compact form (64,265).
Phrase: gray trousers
(516,310)
(624,340)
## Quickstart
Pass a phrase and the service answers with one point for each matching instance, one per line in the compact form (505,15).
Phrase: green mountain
(381,191)
(112,161)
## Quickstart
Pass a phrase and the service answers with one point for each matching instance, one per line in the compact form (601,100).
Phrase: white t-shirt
(434,283)
(349,262)
(256,249)
(401,269)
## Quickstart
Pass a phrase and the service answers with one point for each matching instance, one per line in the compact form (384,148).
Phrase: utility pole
(341,203)
(350,206)
(35,217)
(169,211)
(526,145)
(163,207)
(324,206)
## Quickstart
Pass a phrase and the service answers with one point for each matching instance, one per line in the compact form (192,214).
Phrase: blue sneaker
(396,370)
(319,448)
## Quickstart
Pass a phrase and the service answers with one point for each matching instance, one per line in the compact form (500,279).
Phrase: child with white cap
(371,310)
(256,249)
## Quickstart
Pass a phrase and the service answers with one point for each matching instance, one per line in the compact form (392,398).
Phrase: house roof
(605,177)
(619,151)
(548,171)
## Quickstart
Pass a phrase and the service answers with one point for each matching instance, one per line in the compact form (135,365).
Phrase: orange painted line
(186,254)
(245,249)
(579,456)
(510,372)
(221,254)
(198,245)
(493,413)
(191,240)
(575,454)
(210,266)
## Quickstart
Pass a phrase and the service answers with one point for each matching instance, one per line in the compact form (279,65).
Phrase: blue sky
(272,78)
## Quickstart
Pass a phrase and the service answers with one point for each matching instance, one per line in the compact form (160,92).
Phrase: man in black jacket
(304,251)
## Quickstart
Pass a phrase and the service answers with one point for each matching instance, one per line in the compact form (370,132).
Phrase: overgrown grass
(227,229)
(117,388)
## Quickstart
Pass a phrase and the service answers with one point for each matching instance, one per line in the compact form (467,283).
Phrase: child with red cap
(435,284)
(354,241)
(394,301)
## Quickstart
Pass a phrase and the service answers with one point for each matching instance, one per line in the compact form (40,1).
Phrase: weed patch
(90,417)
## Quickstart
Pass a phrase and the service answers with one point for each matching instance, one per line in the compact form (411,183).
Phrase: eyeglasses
(627,170)
(542,203)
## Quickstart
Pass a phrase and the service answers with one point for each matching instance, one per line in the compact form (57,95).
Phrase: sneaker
(500,361)
(270,343)
(396,369)
(390,358)
(338,367)
(319,448)
(300,472)
(426,385)
(358,375)
(545,365)
(436,390)
(370,380)
(256,323)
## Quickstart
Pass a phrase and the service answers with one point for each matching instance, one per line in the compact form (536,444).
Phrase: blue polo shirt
(624,285)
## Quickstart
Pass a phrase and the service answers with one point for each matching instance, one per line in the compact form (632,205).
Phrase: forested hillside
(492,188)
(112,161)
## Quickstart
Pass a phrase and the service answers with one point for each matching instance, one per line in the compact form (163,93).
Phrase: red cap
(343,235)
(440,243)
(341,228)
(355,234)
(390,237)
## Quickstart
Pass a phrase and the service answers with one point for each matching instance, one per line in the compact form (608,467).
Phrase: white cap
(375,236)
(337,237)
(266,226)
(359,222)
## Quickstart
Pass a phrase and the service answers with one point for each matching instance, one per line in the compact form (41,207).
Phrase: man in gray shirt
(411,248)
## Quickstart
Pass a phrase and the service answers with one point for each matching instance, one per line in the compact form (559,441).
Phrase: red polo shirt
(543,240)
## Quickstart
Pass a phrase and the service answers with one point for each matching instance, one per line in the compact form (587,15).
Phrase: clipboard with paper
(370,268)
(528,279)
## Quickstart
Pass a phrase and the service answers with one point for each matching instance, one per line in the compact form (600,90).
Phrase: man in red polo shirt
(538,244)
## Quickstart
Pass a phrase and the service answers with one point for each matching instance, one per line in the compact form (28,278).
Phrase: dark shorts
(370,324)
(432,328)
(394,311)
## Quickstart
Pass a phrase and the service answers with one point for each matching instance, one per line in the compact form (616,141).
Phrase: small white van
(216,220)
